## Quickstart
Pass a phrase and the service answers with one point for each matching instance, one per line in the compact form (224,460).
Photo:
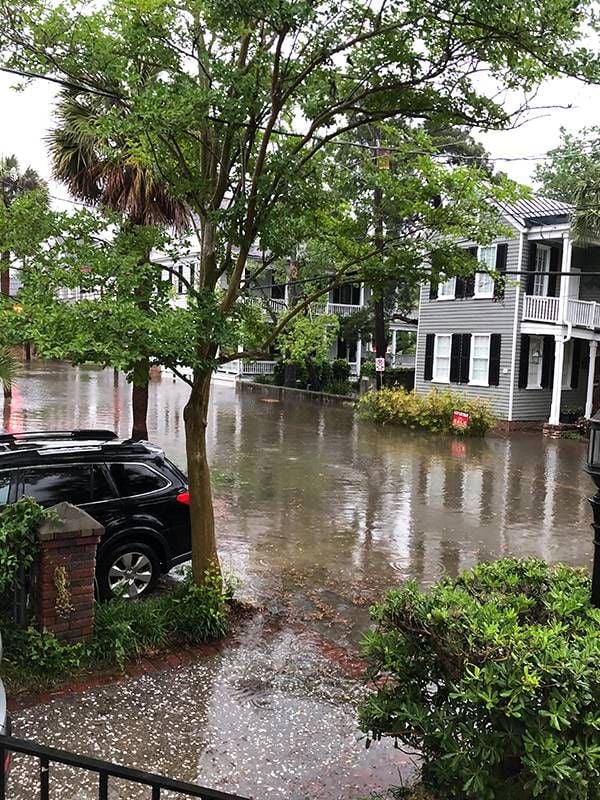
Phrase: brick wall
(65,576)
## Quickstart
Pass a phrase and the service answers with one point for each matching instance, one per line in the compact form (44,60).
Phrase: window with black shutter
(577,343)
(429,346)
(548,362)
(433,290)
(501,259)
(494,368)
(524,361)
(531,269)
(460,355)
(470,279)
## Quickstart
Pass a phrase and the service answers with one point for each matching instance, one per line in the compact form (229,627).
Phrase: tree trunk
(5,273)
(380,342)
(139,400)
(7,388)
(195,415)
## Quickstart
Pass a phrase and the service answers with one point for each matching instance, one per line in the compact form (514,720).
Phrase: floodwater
(318,515)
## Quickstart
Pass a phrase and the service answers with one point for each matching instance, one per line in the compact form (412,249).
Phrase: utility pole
(382,162)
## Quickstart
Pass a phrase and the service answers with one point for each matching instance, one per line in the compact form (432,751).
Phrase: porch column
(358,357)
(567,252)
(590,382)
(362,295)
(394,332)
(559,356)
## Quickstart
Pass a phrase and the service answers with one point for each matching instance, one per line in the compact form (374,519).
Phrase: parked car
(138,495)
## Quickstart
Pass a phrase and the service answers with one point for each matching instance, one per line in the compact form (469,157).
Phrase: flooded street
(318,515)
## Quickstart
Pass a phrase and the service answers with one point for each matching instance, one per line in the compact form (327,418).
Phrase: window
(441,358)
(51,485)
(348,294)
(542,264)
(101,488)
(447,289)
(134,479)
(536,357)
(480,360)
(484,283)
(5,479)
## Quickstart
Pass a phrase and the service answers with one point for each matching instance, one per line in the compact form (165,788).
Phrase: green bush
(19,523)
(340,370)
(123,630)
(338,386)
(495,678)
(367,368)
(432,411)
(402,376)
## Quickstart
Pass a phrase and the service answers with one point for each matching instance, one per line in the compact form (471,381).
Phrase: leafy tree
(13,183)
(111,174)
(238,104)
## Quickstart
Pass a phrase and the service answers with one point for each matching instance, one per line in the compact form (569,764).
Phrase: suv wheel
(130,571)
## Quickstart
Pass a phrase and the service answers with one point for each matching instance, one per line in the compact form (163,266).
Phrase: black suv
(137,494)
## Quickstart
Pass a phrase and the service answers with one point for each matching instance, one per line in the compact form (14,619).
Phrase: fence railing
(342,309)
(48,757)
(581,313)
(258,367)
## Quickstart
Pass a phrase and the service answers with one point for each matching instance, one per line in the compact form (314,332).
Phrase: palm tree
(8,370)
(13,183)
(109,174)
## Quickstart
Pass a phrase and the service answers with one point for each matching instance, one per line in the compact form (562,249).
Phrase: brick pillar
(65,577)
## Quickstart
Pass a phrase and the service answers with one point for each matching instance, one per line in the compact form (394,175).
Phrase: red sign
(460,419)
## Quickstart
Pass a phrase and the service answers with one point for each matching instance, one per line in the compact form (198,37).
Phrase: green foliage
(432,412)
(400,376)
(367,369)
(309,338)
(123,630)
(8,367)
(338,386)
(493,677)
(19,523)
(340,370)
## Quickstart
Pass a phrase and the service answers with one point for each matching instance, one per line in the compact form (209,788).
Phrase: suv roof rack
(79,434)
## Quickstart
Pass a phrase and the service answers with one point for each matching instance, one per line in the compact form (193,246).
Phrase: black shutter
(455,358)
(524,361)
(355,294)
(531,267)
(429,347)
(501,256)
(465,358)
(460,287)
(470,279)
(494,368)
(548,362)
(554,268)
(576,363)
(433,290)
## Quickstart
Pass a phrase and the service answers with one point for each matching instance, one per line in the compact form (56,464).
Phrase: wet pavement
(318,515)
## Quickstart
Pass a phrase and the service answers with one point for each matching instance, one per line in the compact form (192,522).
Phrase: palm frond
(8,367)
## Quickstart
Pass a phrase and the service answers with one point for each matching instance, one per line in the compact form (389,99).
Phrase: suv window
(132,479)
(101,488)
(50,485)
(5,479)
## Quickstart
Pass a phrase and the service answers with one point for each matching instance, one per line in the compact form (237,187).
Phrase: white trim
(567,365)
(487,336)
(551,329)
(538,233)
(434,378)
(485,295)
(589,397)
(538,383)
(447,296)
(559,353)
(513,357)
(547,250)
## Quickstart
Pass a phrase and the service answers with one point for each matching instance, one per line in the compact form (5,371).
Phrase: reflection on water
(340,503)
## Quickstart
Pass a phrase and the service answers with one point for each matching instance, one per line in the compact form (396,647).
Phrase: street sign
(460,419)
(380,365)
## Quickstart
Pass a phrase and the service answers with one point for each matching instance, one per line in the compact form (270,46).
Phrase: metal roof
(538,210)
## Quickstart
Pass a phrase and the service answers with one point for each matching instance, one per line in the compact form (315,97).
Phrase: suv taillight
(183,497)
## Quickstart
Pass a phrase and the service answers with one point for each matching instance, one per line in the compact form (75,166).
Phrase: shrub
(494,678)
(432,411)
(18,539)
(340,370)
(123,630)
(402,376)
(367,369)
(266,380)
(338,386)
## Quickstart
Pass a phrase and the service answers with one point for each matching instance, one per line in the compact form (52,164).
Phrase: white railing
(581,313)
(277,305)
(403,360)
(540,309)
(258,367)
(343,309)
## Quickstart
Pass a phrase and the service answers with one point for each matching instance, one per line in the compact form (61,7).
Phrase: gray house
(528,347)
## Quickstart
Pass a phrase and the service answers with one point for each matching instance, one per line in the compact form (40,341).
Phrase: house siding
(473,315)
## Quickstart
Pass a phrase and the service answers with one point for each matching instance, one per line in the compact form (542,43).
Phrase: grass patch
(123,632)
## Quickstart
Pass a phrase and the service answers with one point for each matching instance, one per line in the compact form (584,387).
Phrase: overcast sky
(27,116)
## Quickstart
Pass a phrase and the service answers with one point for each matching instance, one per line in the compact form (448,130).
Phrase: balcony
(579,313)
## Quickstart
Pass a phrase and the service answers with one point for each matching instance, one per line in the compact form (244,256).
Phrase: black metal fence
(104,770)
